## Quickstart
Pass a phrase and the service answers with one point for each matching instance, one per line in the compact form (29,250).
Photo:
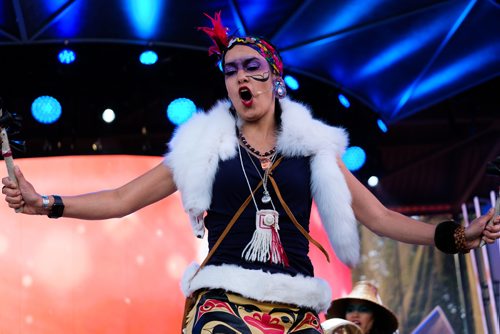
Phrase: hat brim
(333,324)
(385,319)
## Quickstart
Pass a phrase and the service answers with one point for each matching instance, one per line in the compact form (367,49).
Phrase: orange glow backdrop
(114,276)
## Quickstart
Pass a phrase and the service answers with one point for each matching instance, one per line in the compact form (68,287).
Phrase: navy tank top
(230,190)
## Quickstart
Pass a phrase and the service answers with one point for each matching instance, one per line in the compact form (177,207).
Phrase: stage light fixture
(46,109)
(382,126)
(373,181)
(344,101)
(148,57)
(108,115)
(291,82)
(354,158)
(180,110)
(66,56)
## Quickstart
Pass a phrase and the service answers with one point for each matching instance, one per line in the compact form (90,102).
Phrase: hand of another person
(480,229)
(22,195)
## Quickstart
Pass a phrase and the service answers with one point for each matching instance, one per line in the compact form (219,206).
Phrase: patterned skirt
(218,311)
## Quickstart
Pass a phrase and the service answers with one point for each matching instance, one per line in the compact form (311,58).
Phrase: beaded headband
(222,42)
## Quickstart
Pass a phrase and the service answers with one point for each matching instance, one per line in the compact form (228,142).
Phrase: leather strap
(233,220)
(295,222)
(190,300)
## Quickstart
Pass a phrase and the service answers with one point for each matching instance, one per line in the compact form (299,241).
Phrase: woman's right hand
(22,195)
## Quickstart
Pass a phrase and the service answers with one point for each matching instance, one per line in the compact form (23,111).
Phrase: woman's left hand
(479,229)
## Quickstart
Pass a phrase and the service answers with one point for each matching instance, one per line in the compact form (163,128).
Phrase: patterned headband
(222,42)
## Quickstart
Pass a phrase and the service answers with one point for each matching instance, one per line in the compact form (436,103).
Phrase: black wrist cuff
(444,237)
(57,208)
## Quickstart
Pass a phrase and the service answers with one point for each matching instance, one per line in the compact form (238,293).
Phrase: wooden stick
(7,156)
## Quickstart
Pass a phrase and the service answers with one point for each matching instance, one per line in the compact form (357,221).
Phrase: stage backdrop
(115,276)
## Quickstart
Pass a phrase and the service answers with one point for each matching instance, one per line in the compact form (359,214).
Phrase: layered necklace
(265,245)
(266,160)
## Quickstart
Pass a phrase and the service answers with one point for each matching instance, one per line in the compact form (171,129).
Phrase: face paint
(264,48)
(222,43)
(263,77)
(248,82)
(252,66)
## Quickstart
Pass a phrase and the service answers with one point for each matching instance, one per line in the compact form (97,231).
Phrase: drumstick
(7,156)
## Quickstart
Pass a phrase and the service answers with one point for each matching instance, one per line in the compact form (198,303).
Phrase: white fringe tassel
(265,244)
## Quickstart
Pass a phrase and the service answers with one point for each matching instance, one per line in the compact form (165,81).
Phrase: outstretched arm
(385,222)
(148,188)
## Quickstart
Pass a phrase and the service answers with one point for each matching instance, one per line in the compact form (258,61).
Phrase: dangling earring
(279,88)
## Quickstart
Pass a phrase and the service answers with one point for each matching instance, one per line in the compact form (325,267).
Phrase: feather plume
(218,34)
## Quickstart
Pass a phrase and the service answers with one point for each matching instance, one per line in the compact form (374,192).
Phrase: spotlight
(382,126)
(148,57)
(291,82)
(344,101)
(354,158)
(108,115)
(180,110)
(66,56)
(373,181)
(46,109)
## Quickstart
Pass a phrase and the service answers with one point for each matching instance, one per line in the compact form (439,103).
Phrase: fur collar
(198,145)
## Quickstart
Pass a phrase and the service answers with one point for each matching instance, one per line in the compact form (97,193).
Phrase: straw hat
(340,326)
(385,319)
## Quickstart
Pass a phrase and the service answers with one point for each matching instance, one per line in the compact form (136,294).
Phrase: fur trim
(194,158)
(303,135)
(338,219)
(197,146)
(310,292)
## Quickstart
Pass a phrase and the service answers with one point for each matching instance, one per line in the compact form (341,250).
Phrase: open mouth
(245,94)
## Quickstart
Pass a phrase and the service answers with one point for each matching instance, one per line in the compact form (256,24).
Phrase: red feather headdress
(222,41)
(218,34)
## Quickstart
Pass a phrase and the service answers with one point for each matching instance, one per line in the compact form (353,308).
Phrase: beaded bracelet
(450,238)
(459,237)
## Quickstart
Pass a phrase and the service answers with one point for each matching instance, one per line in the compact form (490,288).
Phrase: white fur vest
(198,145)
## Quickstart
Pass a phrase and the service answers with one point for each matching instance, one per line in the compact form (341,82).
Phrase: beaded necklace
(264,158)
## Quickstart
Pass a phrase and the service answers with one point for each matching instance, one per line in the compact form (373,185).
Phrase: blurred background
(416,84)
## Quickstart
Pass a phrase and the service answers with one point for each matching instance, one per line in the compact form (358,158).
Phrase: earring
(279,88)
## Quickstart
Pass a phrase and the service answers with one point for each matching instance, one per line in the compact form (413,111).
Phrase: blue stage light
(354,158)
(66,56)
(46,109)
(148,57)
(145,16)
(344,101)
(180,110)
(382,126)
(291,82)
